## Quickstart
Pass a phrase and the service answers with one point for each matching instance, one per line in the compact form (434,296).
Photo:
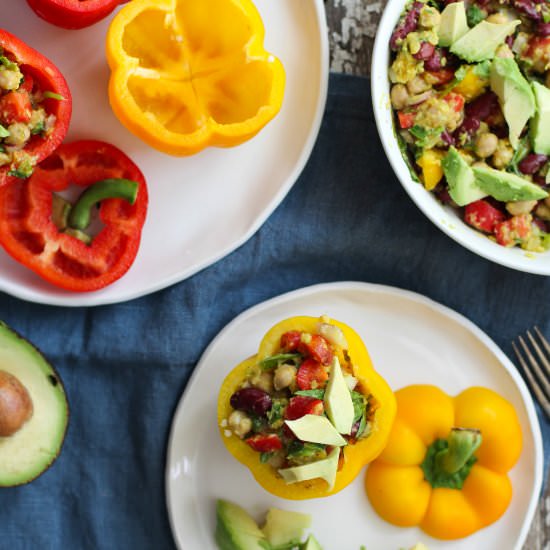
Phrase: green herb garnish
(276,360)
(53,95)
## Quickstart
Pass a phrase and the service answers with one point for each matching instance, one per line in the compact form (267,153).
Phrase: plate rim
(536,263)
(93,299)
(457,317)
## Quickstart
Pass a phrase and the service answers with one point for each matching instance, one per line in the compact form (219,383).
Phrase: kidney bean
(541,224)
(408,24)
(482,106)
(447,138)
(543,29)
(532,163)
(433,63)
(528,8)
(425,52)
(251,400)
(469,126)
(539,179)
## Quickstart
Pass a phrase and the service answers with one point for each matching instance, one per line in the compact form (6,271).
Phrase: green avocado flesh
(28,452)
(235,528)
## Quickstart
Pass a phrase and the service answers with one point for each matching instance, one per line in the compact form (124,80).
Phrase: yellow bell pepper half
(445,466)
(187,74)
(355,456)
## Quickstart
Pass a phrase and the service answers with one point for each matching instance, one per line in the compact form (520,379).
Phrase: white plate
(201,207)
(411,340)
(444,217)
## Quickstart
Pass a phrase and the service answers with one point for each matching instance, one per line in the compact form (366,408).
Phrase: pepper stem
(462,444)
(112,188)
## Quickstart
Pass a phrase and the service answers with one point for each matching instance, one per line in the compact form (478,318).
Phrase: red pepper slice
(73,14)
(317,348)
(311,375)
(29,235)
(265,443)
(40,75)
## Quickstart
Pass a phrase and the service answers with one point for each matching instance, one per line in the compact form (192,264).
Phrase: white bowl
(444,217)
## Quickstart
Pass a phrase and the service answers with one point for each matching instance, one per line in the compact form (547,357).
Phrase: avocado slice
(34,412)
(324,469)
(505,186)
(283,527)
(235,528)
(453,24)
(338,401)
(312,544)
(516,97)
(540,125)
(461,179)
(316,429)
(481,42)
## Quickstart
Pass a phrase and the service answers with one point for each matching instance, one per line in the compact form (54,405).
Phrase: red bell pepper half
(35,108)
(73,14)
(58,246)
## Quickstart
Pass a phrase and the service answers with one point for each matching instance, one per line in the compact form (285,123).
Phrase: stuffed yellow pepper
(446,462)
(308,411)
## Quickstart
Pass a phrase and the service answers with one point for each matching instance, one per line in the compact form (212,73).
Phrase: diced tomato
(483,216)
(311,375)
(265,443)
(15,107)
(441,76)
(456,101)
(317,348)
(300,405)
(291,340)
(406,120)
(514,230)
(28,83)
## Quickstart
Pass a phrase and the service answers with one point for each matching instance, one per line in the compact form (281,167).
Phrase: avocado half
(34,412)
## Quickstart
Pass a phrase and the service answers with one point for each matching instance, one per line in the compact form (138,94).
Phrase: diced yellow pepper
(471,86)
(432,172)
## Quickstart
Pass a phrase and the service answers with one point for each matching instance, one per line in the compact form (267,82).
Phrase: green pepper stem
(462,444)
(113,188)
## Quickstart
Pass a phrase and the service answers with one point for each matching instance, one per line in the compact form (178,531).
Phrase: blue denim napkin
(125,366)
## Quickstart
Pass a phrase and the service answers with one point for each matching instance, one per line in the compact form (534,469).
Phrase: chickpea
(263,381)
(240,423)
(517,208)
(284,376)
(504,51)
(547,202)
(399,96)
(429,17)
(485,145)
(503,155)
(417,85)
(497,18)
(9,80)
(543,211)
(4,159)
(19,134)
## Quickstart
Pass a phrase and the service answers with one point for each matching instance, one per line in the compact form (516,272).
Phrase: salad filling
(470,89)
(299,407)
(23,116)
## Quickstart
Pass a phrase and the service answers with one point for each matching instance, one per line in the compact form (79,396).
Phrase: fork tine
(544,341)
(542,373)
(542,399)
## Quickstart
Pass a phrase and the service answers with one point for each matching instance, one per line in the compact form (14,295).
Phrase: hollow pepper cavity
(51,235)
(187,74)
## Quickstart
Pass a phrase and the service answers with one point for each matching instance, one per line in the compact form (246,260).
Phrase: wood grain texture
(352,26)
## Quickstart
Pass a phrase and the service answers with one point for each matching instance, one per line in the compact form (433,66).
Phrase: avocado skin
(56,381)
(507,187)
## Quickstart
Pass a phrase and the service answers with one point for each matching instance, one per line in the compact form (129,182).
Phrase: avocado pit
(15,404)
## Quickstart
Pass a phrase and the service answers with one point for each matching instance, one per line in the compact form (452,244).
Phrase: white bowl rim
(443,217)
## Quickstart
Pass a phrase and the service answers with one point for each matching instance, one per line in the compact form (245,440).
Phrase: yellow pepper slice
(187,74)
(355,455)
(449,481)
(432,171)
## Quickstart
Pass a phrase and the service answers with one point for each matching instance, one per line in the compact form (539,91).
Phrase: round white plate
(201,207)
(411,340)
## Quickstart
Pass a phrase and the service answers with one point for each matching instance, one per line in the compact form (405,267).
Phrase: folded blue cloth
(125,366)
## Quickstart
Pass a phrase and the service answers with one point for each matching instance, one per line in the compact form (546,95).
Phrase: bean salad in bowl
(462,103)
